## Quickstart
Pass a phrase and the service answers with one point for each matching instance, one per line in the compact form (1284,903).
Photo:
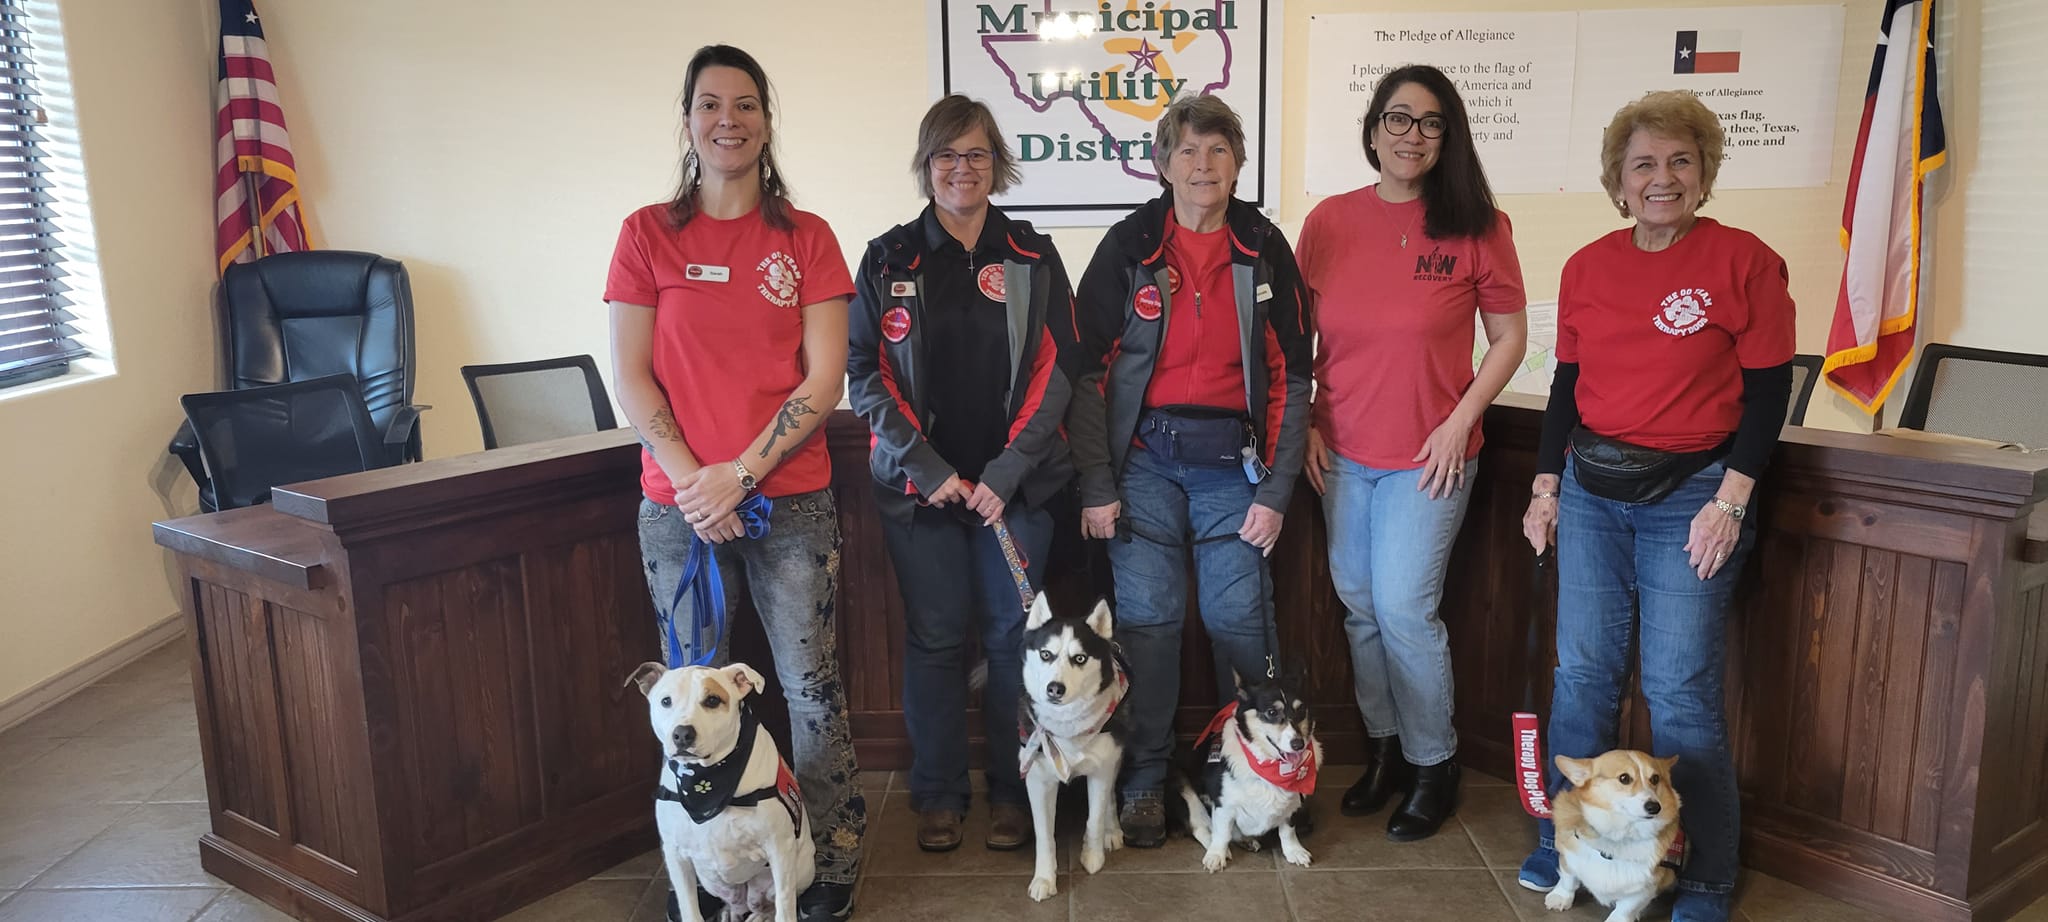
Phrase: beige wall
(494,147)
(78,572)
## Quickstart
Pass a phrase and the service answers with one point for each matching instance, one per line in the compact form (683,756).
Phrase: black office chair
(1805,374)
(521,402)
(298,316)
(1981,393)
(255,438)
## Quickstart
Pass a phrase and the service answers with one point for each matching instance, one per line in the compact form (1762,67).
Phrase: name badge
(708,273)
(1264,293)
(902,289)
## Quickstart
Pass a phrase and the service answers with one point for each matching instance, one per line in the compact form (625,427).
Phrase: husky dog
(1252,772)
(1074,678)
(1616,832)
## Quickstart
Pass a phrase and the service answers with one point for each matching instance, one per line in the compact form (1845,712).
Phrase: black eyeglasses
(976,158)
(1398,123)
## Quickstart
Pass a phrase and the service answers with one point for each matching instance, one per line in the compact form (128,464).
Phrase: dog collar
(1063,752)
(1296,778)
(707,790)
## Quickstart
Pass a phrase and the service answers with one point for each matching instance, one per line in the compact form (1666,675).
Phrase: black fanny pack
(1198,436)
(1629,473)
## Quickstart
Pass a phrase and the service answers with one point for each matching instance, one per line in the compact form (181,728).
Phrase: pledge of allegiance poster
(1770,72)
(1079,85)
(1513,71)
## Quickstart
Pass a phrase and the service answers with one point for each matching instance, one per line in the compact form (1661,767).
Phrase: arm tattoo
(663,426)
(786,420)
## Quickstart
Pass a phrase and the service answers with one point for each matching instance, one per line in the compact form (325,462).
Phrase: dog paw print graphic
(779,278)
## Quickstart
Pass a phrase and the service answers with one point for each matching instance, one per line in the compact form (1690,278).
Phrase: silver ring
(690,517)
(1721,555)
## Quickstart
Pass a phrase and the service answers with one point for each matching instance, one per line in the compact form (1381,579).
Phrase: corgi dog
(1616,831)
(1072,728)
(1252,772)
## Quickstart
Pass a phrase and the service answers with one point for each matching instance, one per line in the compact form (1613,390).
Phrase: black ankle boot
(1433,800)
(1388,775)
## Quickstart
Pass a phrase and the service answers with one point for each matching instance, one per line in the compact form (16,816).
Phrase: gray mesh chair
(1981,393)
(1805,374)
(521,402)
(256,438)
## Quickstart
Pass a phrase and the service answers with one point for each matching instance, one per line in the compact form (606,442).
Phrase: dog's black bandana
(706,790)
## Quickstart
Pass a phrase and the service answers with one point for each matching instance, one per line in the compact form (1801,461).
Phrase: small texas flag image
(1714,51)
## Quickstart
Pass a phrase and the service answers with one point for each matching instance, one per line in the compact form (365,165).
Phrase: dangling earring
(693,172)
(767,170)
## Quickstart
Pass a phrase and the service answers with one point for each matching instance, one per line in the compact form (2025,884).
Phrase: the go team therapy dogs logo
(779,276)
(1146,302)
(990,281)
(1684,311)
(896,323)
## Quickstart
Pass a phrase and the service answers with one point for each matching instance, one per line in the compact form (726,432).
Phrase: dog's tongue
(1294,759)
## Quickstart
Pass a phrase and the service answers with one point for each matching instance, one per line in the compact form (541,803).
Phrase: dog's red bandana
(1058,751)
(1293,771)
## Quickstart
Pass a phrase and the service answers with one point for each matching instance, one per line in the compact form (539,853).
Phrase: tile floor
(102,800)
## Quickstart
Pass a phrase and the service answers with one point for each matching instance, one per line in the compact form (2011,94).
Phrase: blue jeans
(1389,545)
(1622,569)
(1167,505)
(791,574)
(954,577)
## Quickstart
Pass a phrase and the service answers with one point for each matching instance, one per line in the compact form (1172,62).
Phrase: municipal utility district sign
(1078,86)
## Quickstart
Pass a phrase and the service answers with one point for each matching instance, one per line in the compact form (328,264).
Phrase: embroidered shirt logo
(1684,311)
(990,281)
(1435,266)
(779,278)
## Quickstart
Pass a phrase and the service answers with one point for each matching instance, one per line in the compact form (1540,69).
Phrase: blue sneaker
(1539,871)
(1693,906)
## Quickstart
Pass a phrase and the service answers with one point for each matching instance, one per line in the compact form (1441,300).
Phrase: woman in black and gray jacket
(1189,421)
(954,365)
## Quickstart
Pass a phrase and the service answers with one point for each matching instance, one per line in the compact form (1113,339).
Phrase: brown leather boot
(1009,827)
(938,830)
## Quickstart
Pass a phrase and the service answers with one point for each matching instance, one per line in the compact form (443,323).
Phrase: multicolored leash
(1016,562)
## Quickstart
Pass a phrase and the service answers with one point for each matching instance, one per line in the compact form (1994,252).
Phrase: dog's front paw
(1044,888)
(1113,838)
(1559,899)
(1295,854)
(1091,857)
(1215,860)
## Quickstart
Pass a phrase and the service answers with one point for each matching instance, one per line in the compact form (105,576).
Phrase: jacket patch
(1146,302)
(896,323)
(990,281)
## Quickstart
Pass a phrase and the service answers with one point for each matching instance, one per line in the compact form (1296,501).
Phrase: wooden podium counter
(408,683)
(408,679)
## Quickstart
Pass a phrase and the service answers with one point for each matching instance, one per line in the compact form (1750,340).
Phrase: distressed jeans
(791,574)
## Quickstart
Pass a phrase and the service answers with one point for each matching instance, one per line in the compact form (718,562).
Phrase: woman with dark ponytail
(728,313)
(1396,271)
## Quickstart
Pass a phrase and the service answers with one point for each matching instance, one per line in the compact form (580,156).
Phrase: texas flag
(1713,51)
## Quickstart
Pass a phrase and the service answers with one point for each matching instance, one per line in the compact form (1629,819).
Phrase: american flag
(257,183)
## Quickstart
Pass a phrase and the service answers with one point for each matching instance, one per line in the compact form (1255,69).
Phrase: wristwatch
(1734,512)
(748,483)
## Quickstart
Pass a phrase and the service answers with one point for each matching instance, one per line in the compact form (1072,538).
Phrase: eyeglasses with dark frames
(976,158)
(1399,123)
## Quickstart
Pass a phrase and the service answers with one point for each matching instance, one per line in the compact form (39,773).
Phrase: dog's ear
(1236,679)
(1576,771)
(1099,620)
(1665,766)
(646,676)
(1041,612)
(743,678)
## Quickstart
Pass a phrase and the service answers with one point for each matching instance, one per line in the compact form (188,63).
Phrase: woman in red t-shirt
(728,311)
(1674,352)
(1398,270)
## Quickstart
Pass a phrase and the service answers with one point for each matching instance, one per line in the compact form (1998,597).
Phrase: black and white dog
(1071,727)
(731,817)
(1252,771)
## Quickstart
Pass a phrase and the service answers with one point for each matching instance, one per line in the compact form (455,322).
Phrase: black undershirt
(967,350)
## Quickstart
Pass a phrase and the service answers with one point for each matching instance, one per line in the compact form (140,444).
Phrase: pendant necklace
(1390,218)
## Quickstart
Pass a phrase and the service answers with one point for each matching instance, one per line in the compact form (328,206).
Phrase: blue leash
(706,591)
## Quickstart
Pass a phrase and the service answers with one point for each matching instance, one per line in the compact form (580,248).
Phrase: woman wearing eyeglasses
(953,364)
(1396,271)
